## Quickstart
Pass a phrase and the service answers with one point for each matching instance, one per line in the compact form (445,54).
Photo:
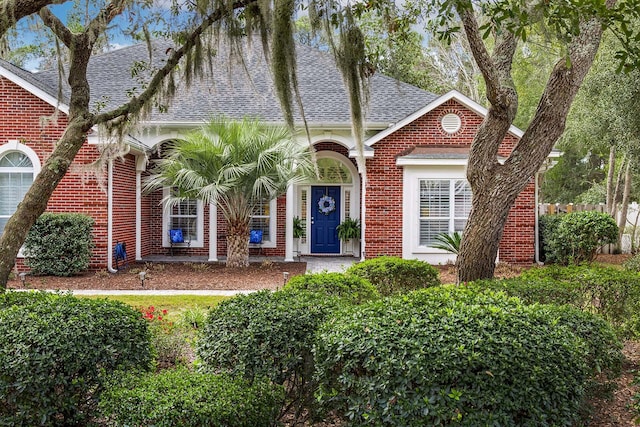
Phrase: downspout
(110,217)
(535,225)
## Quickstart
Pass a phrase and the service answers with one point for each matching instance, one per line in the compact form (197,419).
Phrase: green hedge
(267,334)
(59,244)
(449,357)
(183,398)
(392,275)
(346,286)
(612,293)
(577,236)
(54,351)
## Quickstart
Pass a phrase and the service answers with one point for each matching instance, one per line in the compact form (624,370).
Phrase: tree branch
(98,24)
(137,103)
(58,28)
(11,11)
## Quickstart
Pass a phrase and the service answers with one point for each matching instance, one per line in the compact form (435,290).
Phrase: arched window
(16,176)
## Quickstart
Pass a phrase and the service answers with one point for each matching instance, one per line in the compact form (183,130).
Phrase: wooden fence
(558,208)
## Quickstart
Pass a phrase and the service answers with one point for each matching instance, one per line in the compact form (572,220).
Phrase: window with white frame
(444,207)
(263,218)
(16,176)
(188,216)
(184,216)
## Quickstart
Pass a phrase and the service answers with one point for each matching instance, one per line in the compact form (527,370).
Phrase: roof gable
(28,81)
(452,95)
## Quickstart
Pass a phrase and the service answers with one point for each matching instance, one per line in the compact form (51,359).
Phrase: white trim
(455,95)
(404,161)
(288,247)
(213,232)
(199,241)
(273,225)
(39,93)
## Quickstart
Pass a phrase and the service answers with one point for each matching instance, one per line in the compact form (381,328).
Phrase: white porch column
(141,163)
(213,232)
(288,235)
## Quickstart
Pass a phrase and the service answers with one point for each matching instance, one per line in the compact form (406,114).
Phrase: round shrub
(446,362)
(345,286)
(609,292)
(53,354)
(266,334)
(392,275)
(59,244)
(632,264)
(183,398)
(578,236)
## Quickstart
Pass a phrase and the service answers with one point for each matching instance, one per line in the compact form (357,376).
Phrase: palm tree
(235,164)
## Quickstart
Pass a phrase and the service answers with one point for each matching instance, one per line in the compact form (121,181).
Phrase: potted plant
(298,232)
(348,230)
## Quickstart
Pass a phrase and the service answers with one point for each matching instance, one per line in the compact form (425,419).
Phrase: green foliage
(179,397)
(613,294)
(348,229)
(266,334)
(193,317)
(392,275)
(579,235)
(547,229)
(54,352)
(298,228)
(448,242)
(346,286)
(457,357)
(59,244)
(632,264)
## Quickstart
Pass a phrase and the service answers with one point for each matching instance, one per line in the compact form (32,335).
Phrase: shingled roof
(231,91)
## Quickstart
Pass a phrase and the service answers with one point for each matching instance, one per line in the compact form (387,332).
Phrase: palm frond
(448,242)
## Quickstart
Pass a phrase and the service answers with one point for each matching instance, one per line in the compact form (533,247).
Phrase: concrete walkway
(314,265)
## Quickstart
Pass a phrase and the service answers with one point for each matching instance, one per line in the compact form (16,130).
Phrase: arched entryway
(324,203)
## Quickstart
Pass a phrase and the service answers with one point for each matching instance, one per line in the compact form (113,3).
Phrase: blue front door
(325,217)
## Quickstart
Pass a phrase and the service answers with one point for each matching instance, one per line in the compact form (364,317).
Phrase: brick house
(416,151)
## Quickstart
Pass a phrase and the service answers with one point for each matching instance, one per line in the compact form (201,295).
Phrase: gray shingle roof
(230,91)
(31,78)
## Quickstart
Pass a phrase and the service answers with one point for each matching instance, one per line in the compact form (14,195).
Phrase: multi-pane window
(444,207)
(16,176)
(261,219)
(184,216)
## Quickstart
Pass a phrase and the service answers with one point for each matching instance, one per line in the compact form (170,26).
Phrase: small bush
(346,286)
(59,244)
(392,275)
(456,357)
(547,228)
(613,294)
(54,352)
(579,235)
(632,264)
(266,334)
(183,398)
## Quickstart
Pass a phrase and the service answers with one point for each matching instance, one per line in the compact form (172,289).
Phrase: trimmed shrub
(54,352)
(266,334)
(547,228)
(346,286)
(632,264)
(392,275)
(437,360)
(579,235)
(183,398)
(59,244)
(613,294)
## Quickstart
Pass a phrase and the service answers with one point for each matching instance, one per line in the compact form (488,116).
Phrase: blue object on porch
(176,237)
(120,254)
(255,237)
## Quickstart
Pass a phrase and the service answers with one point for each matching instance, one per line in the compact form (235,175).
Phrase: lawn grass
(172,303)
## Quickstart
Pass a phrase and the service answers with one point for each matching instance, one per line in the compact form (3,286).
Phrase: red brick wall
(124,204)
(385,183)
(23,117)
